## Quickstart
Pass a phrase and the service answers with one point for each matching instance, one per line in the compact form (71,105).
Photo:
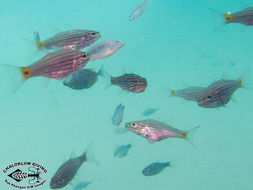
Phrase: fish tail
(220,19)
(103,73)
(173,92)
(189,135)
(17,76)
(245,80)
(88,155)
(38,43)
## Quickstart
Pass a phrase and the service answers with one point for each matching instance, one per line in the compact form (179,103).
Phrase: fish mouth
(128,125)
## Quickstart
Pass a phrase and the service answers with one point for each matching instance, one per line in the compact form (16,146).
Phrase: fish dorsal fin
(156,123)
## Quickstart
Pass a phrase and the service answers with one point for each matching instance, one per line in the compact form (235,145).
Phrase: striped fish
(191,93)
(57,65)
(68,170)
(72,39)
(219,93)
(244,17)
(130,82)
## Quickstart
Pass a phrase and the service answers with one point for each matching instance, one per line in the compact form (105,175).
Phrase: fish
(122,151)
(244,16)
(155,168)
(67,171)
(130,82)
(118,114)
(56,65)
(219,93)
(191,93)
(71,39)
(81,79)
(104,49)
(138,11)
(82,185)
(154,130)
(150,111)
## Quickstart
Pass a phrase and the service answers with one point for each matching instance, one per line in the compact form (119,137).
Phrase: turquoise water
(174,44)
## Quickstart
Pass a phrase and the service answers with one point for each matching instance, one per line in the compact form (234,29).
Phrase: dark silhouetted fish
(81,79)
(154,130)
(118,114)
(82,185)
(219,93)
(155,168)
(68,170)
(104,49)
(72,39)
(122,151)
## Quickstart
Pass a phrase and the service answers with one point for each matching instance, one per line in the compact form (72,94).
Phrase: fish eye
(93,33)
(133,124)
(84,56)
(208,97)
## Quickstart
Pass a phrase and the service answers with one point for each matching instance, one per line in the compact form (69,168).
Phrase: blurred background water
(174,44)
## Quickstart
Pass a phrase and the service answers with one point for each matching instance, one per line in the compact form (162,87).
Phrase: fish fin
(88,155)
(36,36)
(189,135)
(17,75)
(220,19)
(246,80)
(103,73)
(150,141)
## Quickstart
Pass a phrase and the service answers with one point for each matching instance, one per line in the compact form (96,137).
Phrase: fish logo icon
(18,175)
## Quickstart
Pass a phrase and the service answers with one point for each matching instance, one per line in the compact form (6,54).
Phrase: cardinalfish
(244,16)
(68,170)
(129,82)
(56,65)
(215,95)
(72,39)
(122,151)
(219,93)
(153,130)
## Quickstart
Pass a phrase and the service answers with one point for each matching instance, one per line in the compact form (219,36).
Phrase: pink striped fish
(56,65)
(72,39)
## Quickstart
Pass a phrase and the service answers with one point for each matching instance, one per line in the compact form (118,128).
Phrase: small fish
(219,93)
(122,151)
(104,49)
(118,114)
(138,11)
(81,79)
(154,130)
(191,93)
(130,82)
(150,111)
(71,39)
(82,185)
(244,16)
(68,170)
(155,168)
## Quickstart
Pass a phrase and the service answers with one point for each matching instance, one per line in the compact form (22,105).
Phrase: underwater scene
(116,94)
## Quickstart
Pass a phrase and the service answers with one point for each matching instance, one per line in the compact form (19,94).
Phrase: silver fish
(154,130)
(68,170)
(118,114)
(122,151)
(138,11)
(219,93)
(104,49)
(155,168)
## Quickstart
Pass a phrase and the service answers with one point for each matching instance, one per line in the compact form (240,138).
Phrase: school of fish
(67,60)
